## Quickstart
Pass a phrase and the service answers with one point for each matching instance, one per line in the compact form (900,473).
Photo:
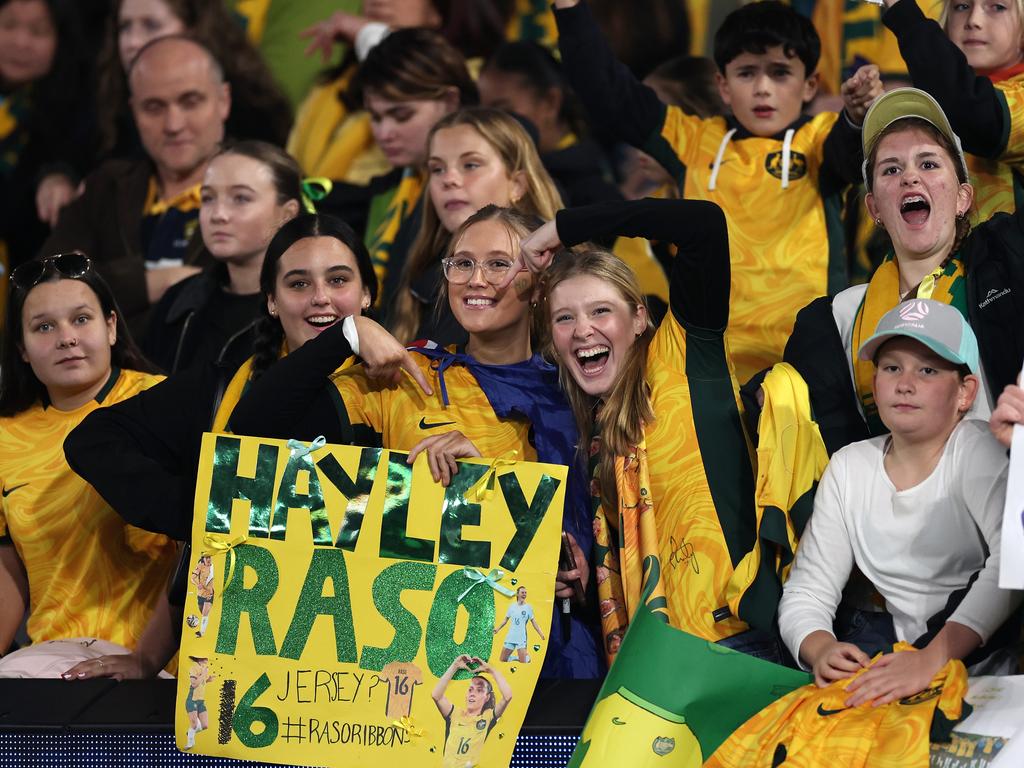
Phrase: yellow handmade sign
(344,609)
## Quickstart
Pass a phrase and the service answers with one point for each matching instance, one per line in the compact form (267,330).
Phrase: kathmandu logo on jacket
(991,296)
(797,165)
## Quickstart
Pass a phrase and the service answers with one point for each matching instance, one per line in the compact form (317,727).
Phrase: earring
(273,313)
(878,222)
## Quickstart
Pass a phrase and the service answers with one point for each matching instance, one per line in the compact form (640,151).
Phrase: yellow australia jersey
(328,140)
(786,242)
(693,468)
(199,675)
(465,735)
(853,32)
(90,574)
(203,580)
(999,182)
(813,726)
(402,416)
(643,734)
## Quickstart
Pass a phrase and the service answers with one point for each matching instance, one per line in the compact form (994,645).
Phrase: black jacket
(141,454)
(106,224)
(177,325)
(993,255)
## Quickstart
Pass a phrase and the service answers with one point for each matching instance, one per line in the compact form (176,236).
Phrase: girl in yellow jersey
(491,398)
(467,728)
(142,454)
(674,471)
(65,556)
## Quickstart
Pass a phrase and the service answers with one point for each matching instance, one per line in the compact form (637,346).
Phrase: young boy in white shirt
(918,512)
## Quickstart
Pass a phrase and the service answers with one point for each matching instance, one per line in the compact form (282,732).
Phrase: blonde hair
(627,406)
(518,154)
(1018,4)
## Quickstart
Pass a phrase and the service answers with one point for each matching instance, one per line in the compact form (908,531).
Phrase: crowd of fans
(602,236)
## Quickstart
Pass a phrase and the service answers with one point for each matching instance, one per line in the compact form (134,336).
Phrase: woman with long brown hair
(475,157)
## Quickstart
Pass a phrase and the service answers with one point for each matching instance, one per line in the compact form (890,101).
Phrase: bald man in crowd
(138,218)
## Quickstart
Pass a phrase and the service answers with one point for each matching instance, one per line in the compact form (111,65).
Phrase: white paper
(1011,557)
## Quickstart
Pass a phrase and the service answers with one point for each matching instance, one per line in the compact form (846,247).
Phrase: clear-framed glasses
(72,265)
(459,269)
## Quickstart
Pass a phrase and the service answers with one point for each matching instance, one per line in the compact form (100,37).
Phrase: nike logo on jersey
(826,712)
(8,491)
(424,424)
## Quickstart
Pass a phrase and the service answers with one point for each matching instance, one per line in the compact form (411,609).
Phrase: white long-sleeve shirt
(916,546)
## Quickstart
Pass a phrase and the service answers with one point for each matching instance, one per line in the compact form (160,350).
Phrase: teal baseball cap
(938,326)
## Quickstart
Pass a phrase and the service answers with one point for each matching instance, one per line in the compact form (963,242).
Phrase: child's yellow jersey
(782,195)
(90,574)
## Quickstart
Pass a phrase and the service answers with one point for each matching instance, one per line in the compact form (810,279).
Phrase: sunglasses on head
(72,265)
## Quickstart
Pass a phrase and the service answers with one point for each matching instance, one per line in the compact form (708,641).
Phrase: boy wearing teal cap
(917,511)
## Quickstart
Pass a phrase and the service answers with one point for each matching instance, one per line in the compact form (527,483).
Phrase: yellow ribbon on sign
(218,543)
(491,578)
(483,488)
(405,724)
(300,449)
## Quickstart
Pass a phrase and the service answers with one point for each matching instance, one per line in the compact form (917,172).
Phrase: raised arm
(610,92)
(444,706)
(699,283)
(973,105)
(503,687)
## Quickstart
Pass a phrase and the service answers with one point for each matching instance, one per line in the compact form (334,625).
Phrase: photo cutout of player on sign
(518,613)
(467,728)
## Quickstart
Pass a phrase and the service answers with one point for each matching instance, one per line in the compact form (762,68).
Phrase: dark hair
(963,223)
(473,27)
(540,72)
(256,99)
(269,332)
(19,387)
(689,82)
(412,64)
(285,170)
(57,96)
(490,701)
(759,26)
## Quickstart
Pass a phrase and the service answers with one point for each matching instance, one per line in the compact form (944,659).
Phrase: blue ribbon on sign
(300,449)
(491,578)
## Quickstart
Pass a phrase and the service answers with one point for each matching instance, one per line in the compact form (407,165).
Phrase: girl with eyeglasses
(492,397)
(65,556)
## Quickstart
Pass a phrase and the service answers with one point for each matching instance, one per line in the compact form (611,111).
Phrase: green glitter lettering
(227,485)
(357,492)
(441,645)
(253,601)
(288,498)
(247,714)
(387,597)
(326,564)
(393,541)
(527,517)
(456,512)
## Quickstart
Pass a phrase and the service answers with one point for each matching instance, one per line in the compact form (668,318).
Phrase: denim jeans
(757,643)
